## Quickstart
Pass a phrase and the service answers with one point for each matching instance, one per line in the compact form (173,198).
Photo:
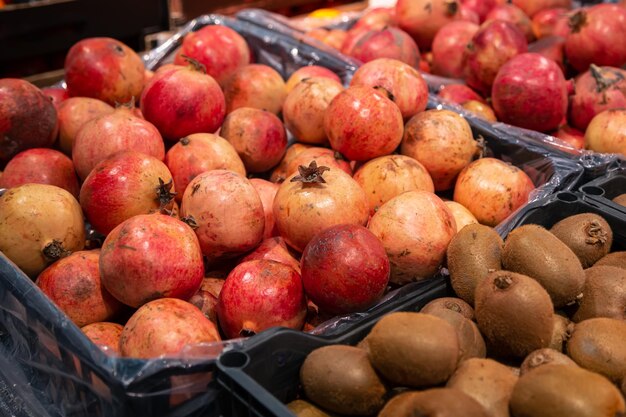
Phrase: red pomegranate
(532,7)
(267,191)
(459,94)
(272,295)
(331,37)
(73,114)
(309,72)
(530,92)
(182,101)
(273,249)
(73,284)
(551,47)
(407,87)
(28,118)
(105,69)
(105,335)
(571,136)
(257,86)
(448,47)
(422,19)
(352,123)
(345,269)
(40,166)
(322,156)
(280,172)
(377,18)
(219,48)
(468,15)
(206,297)
(388,42)
(56,94)
(551,22)
(480,7)
(513,14)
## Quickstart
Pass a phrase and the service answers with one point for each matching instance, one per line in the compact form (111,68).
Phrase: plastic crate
(604,189)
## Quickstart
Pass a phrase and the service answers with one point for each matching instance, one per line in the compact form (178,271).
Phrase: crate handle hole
(234,359)
(591,190)
(567,197)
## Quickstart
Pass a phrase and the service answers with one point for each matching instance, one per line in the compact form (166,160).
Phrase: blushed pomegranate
(459,94)
(481,110)
(606,132)
(40,166)
(423,18)
(388,42)
(571,136)
(106,135)
(530,92)
(28,118)
(513,14)
(467,14)
(165,327)
(462,216)
(73,284)
(532,7)
(305,106)
(492,46)
(448,46)
(377,18)
(273,249)
(352,123)
(551,22)
(267,191)
(206,297)
(480,7)
(226,211)
(309,72)
(345,269)
(415,229)
(56,94)
(219,48)
(105,335)
(182,101)
(322,156)
(352,37)
(73,114)
(331,37)
(596,37)
(257,86)
(258,295)
(281,171)
(258,136)
(151,256)
(551,47)
(105,69)
(407,87)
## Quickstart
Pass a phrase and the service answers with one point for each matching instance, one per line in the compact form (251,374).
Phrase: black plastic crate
(605,189)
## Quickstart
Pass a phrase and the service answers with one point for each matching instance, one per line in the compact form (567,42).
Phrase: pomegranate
(124,185)
(206,297)
(571,136)
(480,7)
(479,109)
(442,142)
(551,47)
(105,69)
(530,92)
(448,47)
(280,172)
(388,42)
(73,114)
(388,176)
(322,156)
(258,295)
(407,87)
(73,284)
(105,335)
(219,48)
(274,249)
(492,189)
(377,18)
(345,269)
(596,37)
(314,199)
(305,105)
(165,327)
(606,132)
(39,224)
(258,136)
(426,63)
(102,137)
(491,47)
(422,19)
(136,269)
(56,94)
(183,101)
(267,191)
(352,123)
(513,14)
(532,7)
(195,154)
(352,37)
(462,216)
(467,14)
(415,229)
(226,211)
(257,86)
(551,22)
(459,94)
(598,89)
(28,118)
(331,37)
(309,72)
(40,166)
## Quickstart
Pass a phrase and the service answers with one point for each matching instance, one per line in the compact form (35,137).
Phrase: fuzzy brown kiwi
(617,259)
(435,402)
(620,199)
(413,349)
(545,356)
(561,330)
(534,251)
(341,379)
(588,235)
(472,253)
(450,303)
(604,294)
(301,408)
(488,382)
(599,345)
(514,313)
(565,391)
(471,342)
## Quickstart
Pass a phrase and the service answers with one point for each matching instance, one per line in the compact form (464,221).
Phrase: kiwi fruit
(488,382)
(472,253)
(561,330)
(534,251)
(302,408)
(435,402)
(565,391)
(604,294)
(341,379)
(545,356)
(588,235)
(599,345)
(450,303)
(617,259)
(471,342)
(620,199)
(514,313)
(413,349)
(623,386)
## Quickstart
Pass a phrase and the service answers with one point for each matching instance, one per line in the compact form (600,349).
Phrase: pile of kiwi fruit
(538,330)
